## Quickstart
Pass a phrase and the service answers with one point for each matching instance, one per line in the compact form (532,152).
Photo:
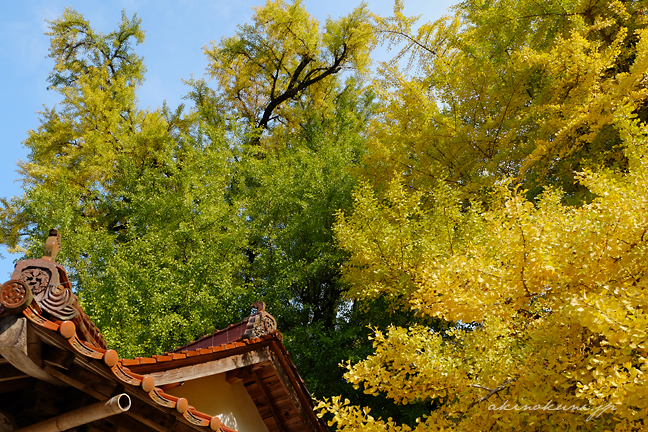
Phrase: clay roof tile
(130,362)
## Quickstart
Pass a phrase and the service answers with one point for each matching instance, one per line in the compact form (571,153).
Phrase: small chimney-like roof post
(52,245)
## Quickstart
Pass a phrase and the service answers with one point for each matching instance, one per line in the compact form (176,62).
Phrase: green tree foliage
(97,76)
(292,195)
(156,259)
(283,77)
(174,223)
(153,246)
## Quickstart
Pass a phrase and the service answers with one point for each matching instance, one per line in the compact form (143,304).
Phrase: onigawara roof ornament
(260,323)
(52,245)
(46,283)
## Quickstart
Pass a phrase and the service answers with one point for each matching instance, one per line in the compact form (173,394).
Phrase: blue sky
(176,31)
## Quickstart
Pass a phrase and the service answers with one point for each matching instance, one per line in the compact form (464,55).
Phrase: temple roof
(38,303)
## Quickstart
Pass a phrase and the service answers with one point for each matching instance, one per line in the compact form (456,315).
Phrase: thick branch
(293,90)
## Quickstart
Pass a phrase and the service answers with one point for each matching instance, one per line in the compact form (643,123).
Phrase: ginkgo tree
(540,304)
(510,88)
(544,304)
(150,242)
(285,61)
(174,222)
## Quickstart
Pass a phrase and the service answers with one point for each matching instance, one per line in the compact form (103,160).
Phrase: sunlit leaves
(541,301)
(97,76)
(547,301)
(284,59)
(149,238)
(526,90)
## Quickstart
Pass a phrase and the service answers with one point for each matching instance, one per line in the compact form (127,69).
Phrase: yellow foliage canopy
(509,89)
(549,304)
(270,70)
(545,304)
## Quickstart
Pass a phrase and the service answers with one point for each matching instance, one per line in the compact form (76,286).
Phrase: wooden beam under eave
(10,373)
(276,414)
(155,417)
(148,422)
(141,411)
(124,423)
(98,390)
(21,346)
(15,385)
(60,358)
(300,402)
(210,368)
(102,426)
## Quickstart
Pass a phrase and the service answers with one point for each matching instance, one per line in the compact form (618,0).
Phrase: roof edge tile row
(119,369)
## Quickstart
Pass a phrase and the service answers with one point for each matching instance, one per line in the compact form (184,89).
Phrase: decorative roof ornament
(41,280)
(260,323)
(52,245)
(41,292)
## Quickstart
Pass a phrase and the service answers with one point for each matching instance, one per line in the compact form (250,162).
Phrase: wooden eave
(98,374)
(263,366)
(47,340)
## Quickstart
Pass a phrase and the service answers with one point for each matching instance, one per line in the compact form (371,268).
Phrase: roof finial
(259,306)
(52,245)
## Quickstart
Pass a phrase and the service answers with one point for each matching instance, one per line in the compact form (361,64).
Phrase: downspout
(116,405)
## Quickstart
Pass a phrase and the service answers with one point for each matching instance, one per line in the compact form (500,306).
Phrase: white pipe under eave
(116,405)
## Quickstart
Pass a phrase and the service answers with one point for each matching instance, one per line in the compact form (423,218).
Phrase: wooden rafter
(276,414)
(145,412)
(10,373)
(297,398)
